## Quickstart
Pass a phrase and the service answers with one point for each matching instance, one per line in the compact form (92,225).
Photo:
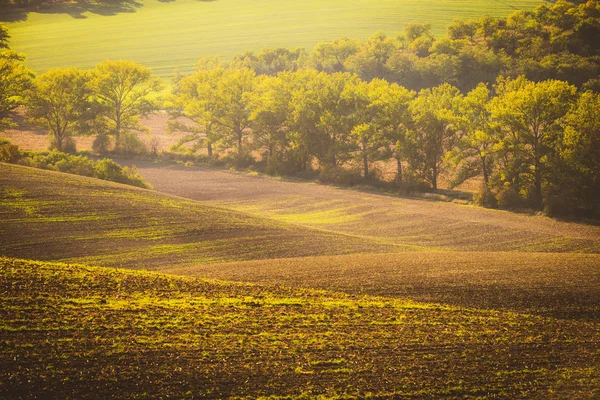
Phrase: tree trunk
(207,132)
(365,158)
(118,126)
(538,182)
(271,146)
(537,173)
(239,140)
(485,171)
(332,150)
(399,173)
(434,176)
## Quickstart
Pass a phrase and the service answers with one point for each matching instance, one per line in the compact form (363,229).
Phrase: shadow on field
(75,9)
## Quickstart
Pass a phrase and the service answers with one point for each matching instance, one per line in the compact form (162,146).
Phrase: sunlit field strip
(170,35)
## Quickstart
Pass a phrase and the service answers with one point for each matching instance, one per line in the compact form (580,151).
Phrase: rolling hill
(83,33)
(415,224)
(565,286)
(54,216)
(72,331)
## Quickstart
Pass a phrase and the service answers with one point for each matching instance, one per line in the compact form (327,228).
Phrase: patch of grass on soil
(54,216)
(87,332)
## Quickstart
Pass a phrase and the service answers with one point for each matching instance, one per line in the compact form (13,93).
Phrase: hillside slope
(410,223)
(71,331)
(54,216)
(559,285)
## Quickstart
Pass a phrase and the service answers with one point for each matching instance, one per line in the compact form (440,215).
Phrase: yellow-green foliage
(88,332)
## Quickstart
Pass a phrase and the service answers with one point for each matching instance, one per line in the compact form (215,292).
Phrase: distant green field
(166,35)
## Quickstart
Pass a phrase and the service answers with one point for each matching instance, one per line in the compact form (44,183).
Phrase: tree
(380,118)
(371,60)
(433,132)
(196,98)
(271,61)
(60,102)
(331,56)
(15,79)
(361,116)
(580,151)
(234,91)
(271,107)
(321,115)
(393,119)
(4,36)
(122,88)
(531,115)
(472,153)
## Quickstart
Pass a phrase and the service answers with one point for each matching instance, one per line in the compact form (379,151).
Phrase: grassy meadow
(82,34)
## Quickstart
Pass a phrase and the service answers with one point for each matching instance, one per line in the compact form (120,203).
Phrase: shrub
(68,145)
(484,197)
(130,144)
(109,170)
(63,162)
(557,206)
(509,198)
(80,165)
(339,175)
(101,144)
(9,153)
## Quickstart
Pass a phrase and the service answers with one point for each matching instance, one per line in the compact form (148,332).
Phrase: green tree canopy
(60,101)
(122,88)
(530,114)
(433,133)
(15,79)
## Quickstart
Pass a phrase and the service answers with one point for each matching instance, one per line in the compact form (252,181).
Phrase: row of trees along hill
(532,143)
(532,140)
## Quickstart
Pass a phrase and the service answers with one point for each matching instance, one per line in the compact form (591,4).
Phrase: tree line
(532,143)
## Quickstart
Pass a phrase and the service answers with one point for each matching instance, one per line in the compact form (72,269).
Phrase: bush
(485,198)
(109,170)
(101,144)
(509,198)
(9,153)
(63,162)
(130,144)
(339,175)
(557,206)
(79,165)
(68,145)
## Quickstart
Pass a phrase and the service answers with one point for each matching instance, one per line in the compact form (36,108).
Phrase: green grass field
(165,35)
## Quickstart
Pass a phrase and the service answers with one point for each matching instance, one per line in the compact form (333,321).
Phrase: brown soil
(412,223)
